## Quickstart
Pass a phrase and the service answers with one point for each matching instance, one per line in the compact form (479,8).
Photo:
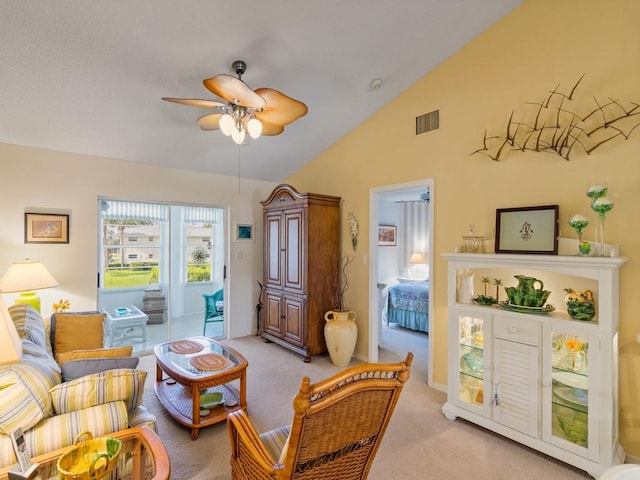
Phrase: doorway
(405,209)
(158,260)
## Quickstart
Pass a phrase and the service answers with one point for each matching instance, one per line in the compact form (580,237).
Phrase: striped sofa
(52,412)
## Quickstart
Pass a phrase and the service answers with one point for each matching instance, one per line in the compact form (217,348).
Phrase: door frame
(374,333)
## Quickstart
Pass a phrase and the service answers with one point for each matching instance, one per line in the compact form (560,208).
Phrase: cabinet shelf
(542,372)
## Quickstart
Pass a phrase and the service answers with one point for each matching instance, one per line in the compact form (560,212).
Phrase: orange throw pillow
(77,332)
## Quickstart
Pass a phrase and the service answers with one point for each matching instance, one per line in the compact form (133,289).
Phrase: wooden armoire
(301,258)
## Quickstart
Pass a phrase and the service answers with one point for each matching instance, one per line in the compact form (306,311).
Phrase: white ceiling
(87,76)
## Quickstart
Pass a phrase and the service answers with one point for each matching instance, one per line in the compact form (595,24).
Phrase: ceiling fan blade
(194,102)
(280,109)
(271,129)
(234,90)
(210,122)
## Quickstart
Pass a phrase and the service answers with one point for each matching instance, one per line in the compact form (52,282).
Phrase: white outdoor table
(124,321)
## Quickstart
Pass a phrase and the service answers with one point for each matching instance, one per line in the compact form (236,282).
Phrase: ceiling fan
(264,111)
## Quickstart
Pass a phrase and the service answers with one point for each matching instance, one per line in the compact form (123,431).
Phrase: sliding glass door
(159,260)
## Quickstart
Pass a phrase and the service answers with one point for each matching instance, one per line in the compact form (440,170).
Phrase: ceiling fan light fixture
(254,126)
(227,125)
(259,112)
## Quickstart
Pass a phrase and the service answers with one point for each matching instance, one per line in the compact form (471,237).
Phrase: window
(124,223)
(198,252)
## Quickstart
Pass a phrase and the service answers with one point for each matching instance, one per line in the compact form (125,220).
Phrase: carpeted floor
(420,442)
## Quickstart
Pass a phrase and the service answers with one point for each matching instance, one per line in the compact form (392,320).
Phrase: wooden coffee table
(179,391)
(142,457)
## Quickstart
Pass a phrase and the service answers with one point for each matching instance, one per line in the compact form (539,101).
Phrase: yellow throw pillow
(77,331)
(98,388)
(124,351)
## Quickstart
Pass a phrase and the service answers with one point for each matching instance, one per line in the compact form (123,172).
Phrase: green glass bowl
(581,310)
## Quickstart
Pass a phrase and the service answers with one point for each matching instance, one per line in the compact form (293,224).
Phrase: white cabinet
(541,379)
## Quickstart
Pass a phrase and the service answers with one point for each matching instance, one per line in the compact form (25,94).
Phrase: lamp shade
(25,277)
(417,257)
(10,343)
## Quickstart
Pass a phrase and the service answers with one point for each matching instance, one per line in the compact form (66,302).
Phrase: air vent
(427,122)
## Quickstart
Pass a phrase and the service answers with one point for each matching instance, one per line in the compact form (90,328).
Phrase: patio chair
(213,309)
(337,427)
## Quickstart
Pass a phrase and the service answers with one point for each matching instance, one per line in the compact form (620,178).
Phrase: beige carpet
(420,442)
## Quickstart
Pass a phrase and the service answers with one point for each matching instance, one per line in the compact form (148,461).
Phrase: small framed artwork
(387,235)
(527,230)
(46,228)
(244,232)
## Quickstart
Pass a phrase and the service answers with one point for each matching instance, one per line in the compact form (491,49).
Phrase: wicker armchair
(337,427)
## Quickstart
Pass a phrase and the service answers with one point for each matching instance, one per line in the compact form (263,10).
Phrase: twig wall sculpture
(552,125)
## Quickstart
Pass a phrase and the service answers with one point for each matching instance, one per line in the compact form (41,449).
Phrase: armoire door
(294,264)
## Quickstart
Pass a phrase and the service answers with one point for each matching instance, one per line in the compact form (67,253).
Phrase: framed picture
(527,230)
(46,228)
(387,235)
(244,232)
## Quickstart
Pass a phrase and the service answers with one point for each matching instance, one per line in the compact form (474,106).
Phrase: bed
(408,305)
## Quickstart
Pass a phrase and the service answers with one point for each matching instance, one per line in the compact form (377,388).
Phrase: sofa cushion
(76,331)
(61,430)
(30,325)
(97,388)
(124,351)
(25,396)
(73,369)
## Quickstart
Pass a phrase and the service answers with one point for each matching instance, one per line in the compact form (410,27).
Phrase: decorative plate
(475,361)
(577,396)
(523,309)
(209,362)
(572,380)
(185,346)
(210,400)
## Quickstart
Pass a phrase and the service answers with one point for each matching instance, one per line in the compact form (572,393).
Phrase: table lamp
(25,277)
(417,258)
(10,343)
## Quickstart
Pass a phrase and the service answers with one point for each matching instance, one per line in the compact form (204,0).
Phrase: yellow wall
(540,45)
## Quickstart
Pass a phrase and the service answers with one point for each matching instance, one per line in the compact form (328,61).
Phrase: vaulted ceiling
(88,76)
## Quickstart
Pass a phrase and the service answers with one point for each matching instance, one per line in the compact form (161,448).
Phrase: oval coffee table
(194,366)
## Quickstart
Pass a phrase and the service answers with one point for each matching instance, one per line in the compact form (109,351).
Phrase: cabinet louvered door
(516,373)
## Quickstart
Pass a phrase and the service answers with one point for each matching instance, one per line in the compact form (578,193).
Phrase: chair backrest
(210,301)
(339,423)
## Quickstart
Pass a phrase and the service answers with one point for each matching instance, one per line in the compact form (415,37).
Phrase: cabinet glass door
(570,388)
(471,353)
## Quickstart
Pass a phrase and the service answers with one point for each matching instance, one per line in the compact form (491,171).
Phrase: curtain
(416,230)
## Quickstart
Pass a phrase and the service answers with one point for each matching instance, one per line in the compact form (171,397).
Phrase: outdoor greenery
(147,275)
(198,273)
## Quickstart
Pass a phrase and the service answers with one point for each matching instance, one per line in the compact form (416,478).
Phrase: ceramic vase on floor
(340,334)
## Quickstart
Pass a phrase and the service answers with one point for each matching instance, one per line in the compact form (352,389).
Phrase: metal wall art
(561,124)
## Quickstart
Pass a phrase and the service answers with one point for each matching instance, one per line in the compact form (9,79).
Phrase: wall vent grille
(427,122)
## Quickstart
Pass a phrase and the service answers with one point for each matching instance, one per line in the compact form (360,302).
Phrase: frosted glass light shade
(254,126)
(238,136)
(226,124)
(10,342)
